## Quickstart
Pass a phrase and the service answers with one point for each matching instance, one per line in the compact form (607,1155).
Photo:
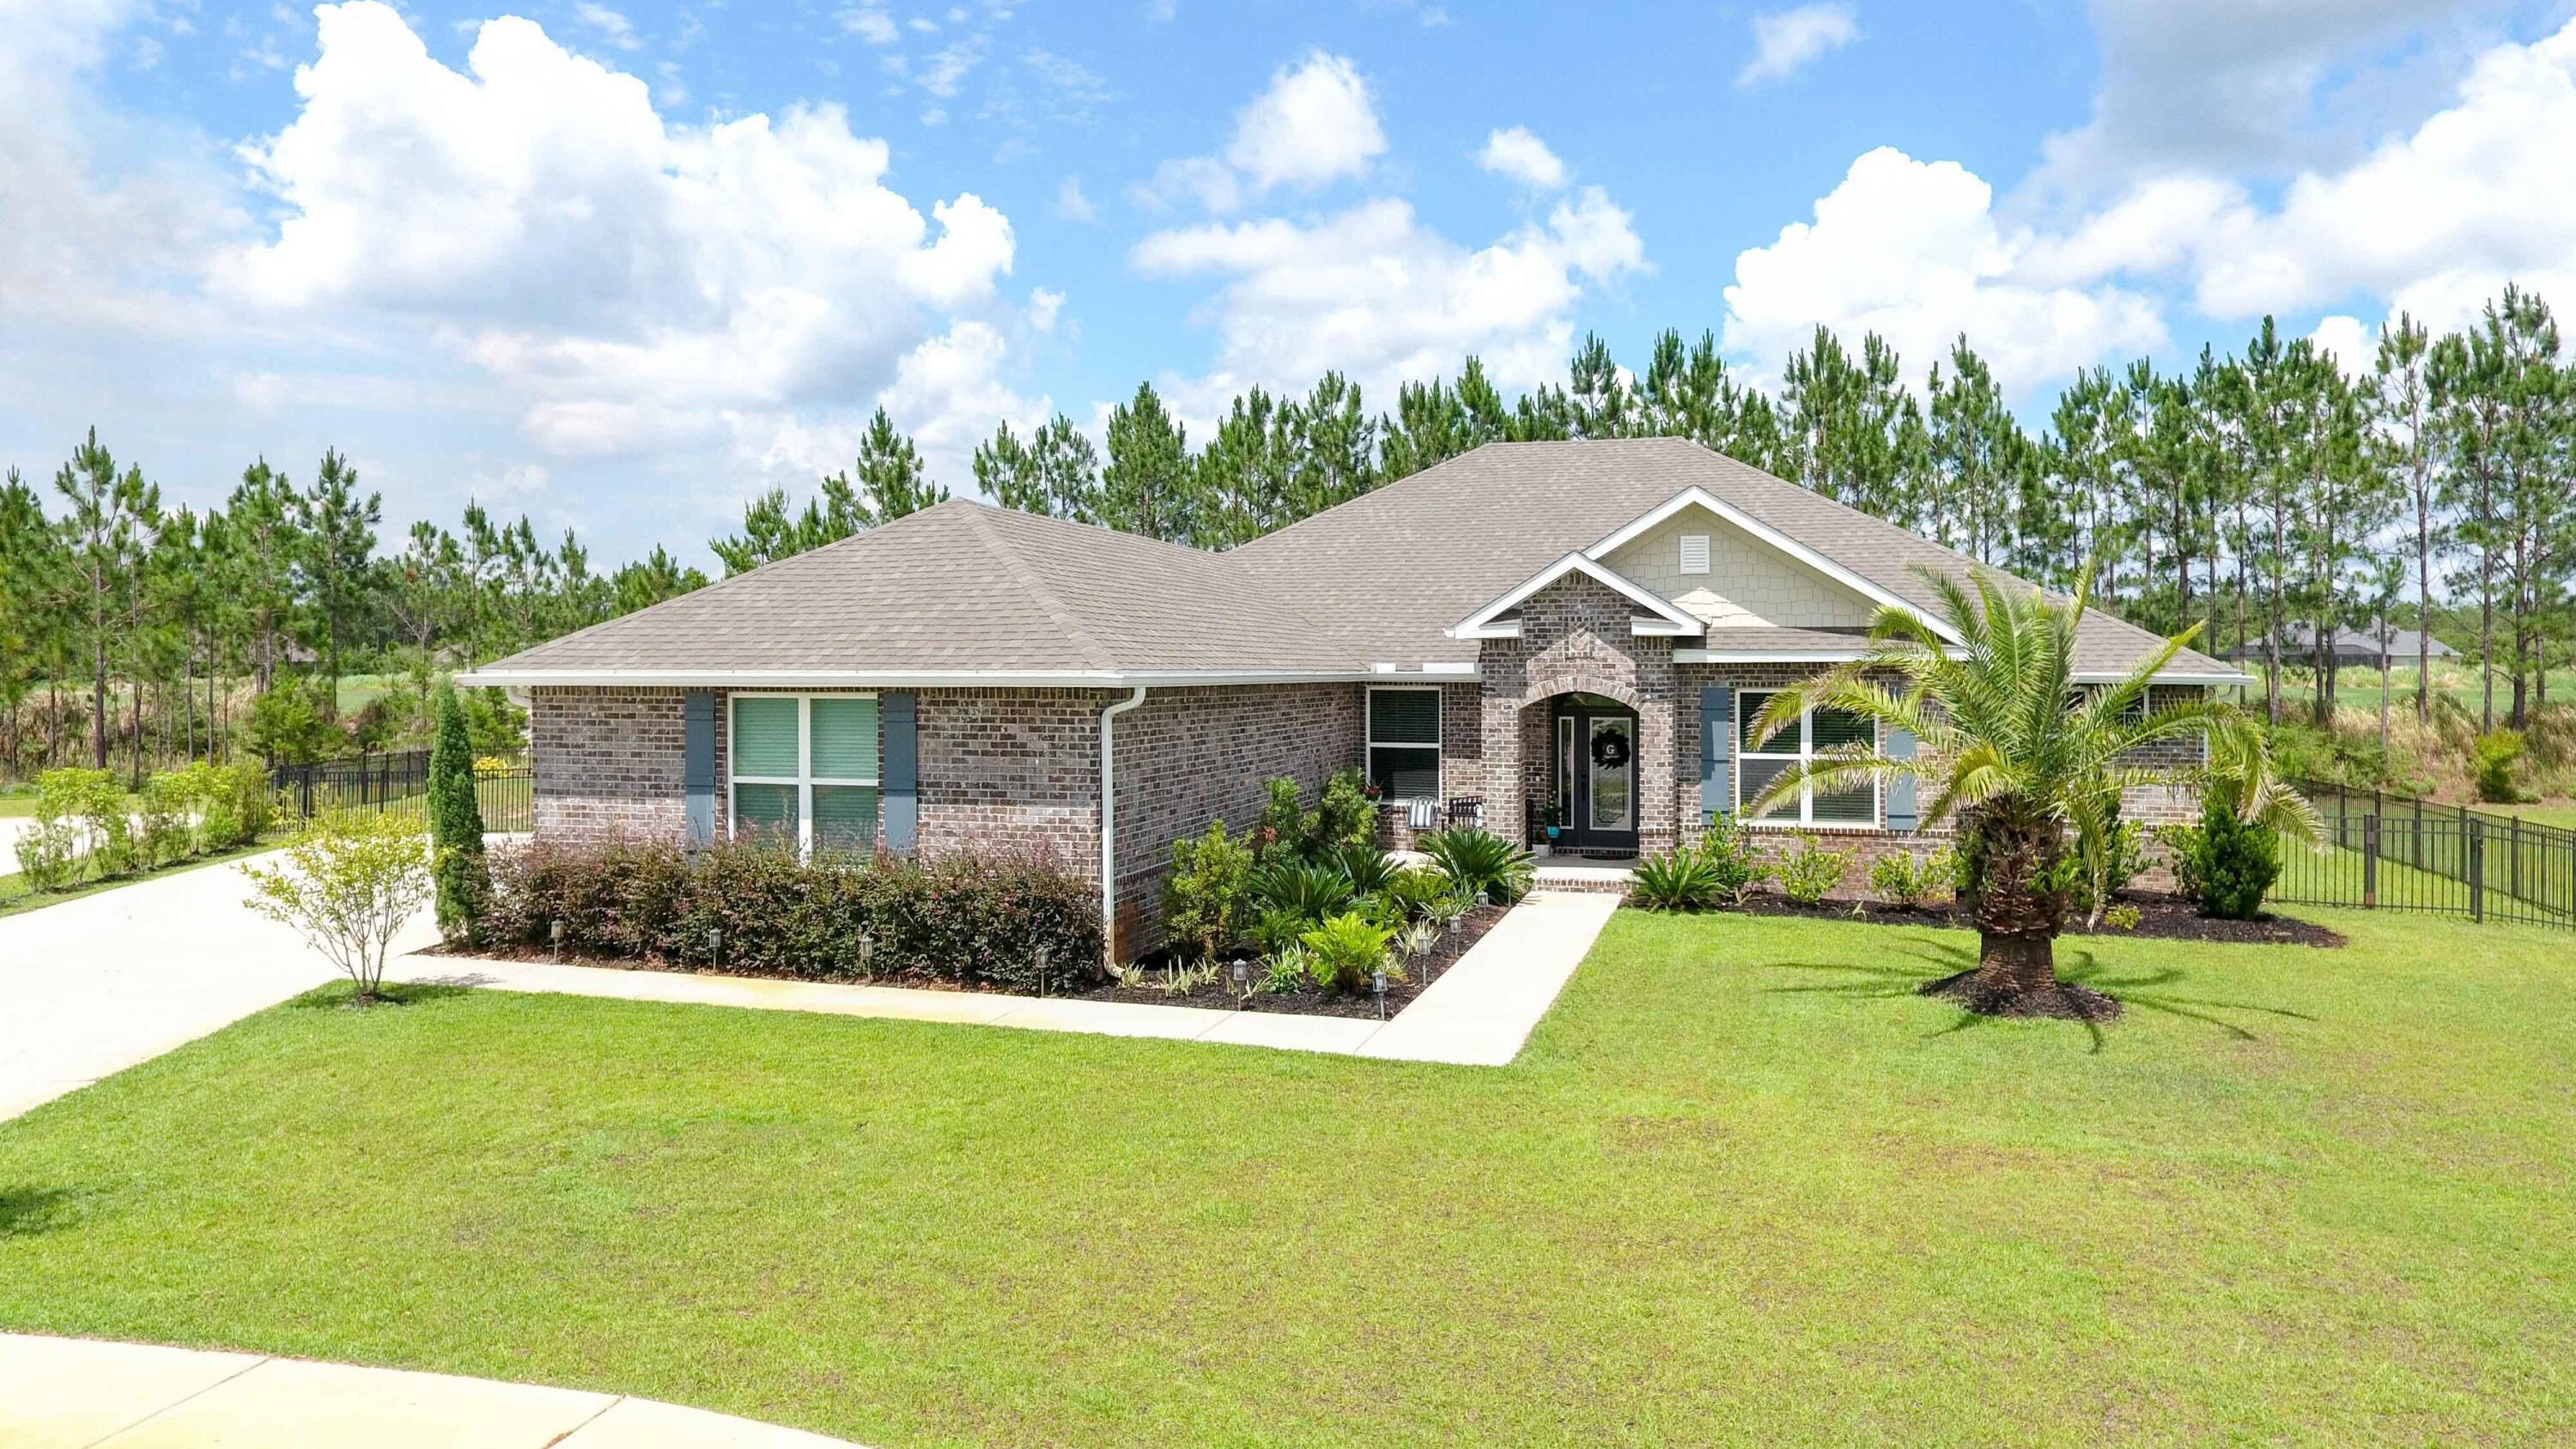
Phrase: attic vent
(1694,553)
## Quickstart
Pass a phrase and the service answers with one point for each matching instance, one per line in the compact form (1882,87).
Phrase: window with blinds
(1404,743)
(1817,732)
(804,770)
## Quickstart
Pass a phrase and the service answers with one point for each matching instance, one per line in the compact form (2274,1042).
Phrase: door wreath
(1610,751)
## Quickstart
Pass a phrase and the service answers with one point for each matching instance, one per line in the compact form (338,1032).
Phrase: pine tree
(455,823)
(1146,489)
(890,475)
(339,538)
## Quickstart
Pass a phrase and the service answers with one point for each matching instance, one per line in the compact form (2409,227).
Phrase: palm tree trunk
(2017,962)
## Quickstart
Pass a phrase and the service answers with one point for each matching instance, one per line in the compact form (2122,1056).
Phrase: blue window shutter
(902,790)
(698,768)
(1716,751)
(1901,814)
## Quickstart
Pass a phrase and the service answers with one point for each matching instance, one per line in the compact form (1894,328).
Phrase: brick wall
(609,762)
(1187,757)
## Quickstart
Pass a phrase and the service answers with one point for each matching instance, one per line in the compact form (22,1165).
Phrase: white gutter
(1109,830)
(936,678)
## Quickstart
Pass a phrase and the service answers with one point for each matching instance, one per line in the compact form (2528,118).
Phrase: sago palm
(2031,765)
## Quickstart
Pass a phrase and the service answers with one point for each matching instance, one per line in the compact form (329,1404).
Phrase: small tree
(351,880)
(455,822)
(1203,898)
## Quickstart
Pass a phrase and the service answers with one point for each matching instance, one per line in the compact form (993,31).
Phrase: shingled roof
(968,591)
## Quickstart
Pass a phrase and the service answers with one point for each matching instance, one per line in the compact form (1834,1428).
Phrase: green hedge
(977,919)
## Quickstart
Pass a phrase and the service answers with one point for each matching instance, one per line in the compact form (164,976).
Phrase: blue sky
(620,265)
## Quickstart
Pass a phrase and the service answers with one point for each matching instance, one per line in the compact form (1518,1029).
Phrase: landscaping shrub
(1419,892)
(1283,821)
(1287,969)
(1344,951)
(350,879)
(1344,814)
(456,823)
(1734,869)
(2223,864)
(2491,766)
(95,805)
(1810,873)
(1677,880)
(48,852)
(237,805)
(1906,879)
(1205,896)
(1369,869)
(978,919)
(1480,862)
(161,832)
(1308,892)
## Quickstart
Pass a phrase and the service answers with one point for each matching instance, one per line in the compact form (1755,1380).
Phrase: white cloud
(1374,291)
(1912,251)
(1044,306)
(1784,40)
(2353,346)
(946,69)
(1314,124)
(633,281)
(1071,204)
(613,27)
(870,24)
(1516,153)
(2434,220)
(2223,86)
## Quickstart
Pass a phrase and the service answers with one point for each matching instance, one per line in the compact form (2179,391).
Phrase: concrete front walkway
(70,1393)
(95,985)
(1478,1013)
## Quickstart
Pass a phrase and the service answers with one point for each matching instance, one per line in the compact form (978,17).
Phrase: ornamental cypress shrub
(455,823)
(2225,865)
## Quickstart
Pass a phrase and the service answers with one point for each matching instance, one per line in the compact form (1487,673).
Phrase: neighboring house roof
(2348,643)
(1373,586)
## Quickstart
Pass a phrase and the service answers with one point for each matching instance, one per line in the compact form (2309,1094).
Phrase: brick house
(1562,640)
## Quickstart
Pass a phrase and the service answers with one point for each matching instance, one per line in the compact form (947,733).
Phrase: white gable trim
(1671,618)
(1772,536)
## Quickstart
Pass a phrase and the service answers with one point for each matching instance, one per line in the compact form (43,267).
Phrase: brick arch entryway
(1592,763)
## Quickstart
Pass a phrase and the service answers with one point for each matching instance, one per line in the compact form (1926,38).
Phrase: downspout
(1109,830)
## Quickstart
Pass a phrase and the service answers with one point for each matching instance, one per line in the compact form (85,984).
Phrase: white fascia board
(1765,656)
(1772,536)
(929,678)
(2169,676)
(1481,624)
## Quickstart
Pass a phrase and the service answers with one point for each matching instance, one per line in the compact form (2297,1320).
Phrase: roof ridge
(1045,597)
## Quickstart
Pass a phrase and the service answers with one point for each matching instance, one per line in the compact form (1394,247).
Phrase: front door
(1596,775)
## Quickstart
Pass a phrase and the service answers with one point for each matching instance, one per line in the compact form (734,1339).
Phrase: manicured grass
(17,804)
(1744,1185)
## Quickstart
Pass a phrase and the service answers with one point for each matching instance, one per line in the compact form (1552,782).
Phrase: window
(1694,553)
(1817,731)
(1404,743)
(804,769)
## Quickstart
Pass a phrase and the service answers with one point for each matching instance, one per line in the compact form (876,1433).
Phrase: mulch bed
(1309,1002)
(2160,917)
(2064,1001)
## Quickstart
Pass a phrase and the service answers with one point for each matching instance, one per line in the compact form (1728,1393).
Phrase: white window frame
(1745,703)
(1439,728)
(1690,541)
(804,779)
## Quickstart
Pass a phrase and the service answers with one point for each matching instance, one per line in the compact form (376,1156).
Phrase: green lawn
(1743,1185)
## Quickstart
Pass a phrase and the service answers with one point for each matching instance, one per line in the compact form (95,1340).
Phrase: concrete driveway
(93,986)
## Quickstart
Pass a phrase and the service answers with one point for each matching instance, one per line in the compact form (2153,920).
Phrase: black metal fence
(399,780)
(2394,852)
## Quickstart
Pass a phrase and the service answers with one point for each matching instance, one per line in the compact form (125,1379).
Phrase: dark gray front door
(1595,742)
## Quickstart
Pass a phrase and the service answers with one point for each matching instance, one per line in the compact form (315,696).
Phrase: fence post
(2514,871)
(2370,860)
(2477,874)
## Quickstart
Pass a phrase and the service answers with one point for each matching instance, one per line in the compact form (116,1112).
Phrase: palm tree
(2032,766)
